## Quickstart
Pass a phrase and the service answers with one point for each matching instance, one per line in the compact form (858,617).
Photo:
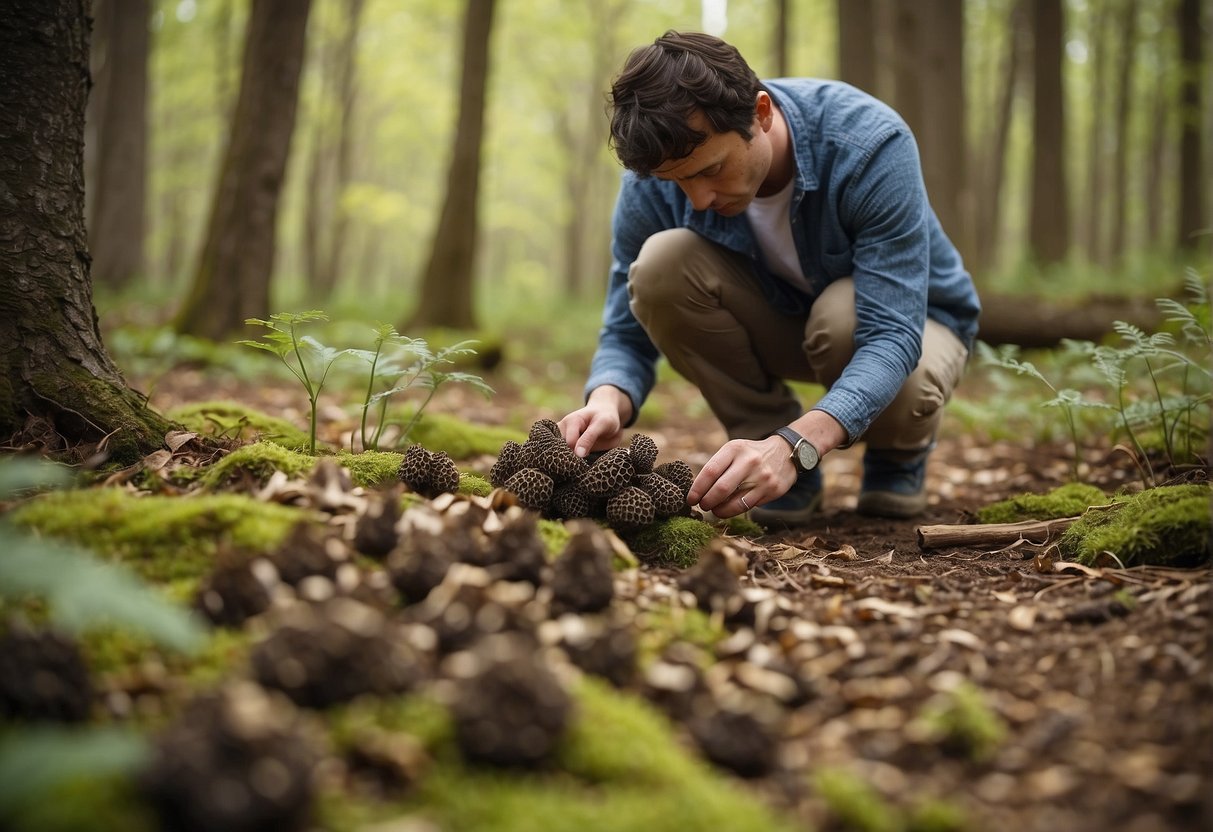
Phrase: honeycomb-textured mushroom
(678,472)
(509,462)
(375,531)
(544,428)
(610,474)
(326,654)
(667,497)
(309,549)
(43,676)
(419,564)
(559,462)
(233,592)
(444,476)
(533,487)
(643,452)
(517,552)
(630,509)
(509,708)
(234,760)
(582,576)
(415,469)
(712,580)
(571,502)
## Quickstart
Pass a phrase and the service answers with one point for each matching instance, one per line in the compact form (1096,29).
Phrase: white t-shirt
(770,218)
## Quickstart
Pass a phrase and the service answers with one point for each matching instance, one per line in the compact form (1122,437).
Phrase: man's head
(663,85)
(690,110)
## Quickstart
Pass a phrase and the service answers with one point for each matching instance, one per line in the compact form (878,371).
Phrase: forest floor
(1028,696)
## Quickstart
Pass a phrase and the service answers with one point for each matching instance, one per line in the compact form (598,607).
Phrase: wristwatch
(804,456)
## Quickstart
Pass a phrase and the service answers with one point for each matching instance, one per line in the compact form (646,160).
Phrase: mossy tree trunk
(232,279)
(59,389)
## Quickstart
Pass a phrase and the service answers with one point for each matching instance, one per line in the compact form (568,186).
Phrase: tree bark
(989,200)
(446,297)
(59,389)
(1124,103)
(232,279)
(1034,323)
(857,43)
(991,534)
(1049,223)
(117,128)
(779,37)
(1192,182)
(1094,208)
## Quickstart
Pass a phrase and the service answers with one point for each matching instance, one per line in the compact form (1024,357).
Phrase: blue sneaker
(798,506)
(894,483)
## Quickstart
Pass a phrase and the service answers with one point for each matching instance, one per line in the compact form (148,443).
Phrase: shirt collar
(802,148)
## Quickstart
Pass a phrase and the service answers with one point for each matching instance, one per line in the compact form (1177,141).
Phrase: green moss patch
(231,420)
(258,461)
(371,469)
(165,539)
(1167,526)
(620,768)
(675,542)
(555,536)
(743,526)
(1069,500)
(474,484)
(962,722)
(855,805)
(460,439)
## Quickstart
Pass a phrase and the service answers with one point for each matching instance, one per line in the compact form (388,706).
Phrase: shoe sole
(775,519)
(890,504)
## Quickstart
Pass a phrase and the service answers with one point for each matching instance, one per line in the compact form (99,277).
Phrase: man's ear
(764,110)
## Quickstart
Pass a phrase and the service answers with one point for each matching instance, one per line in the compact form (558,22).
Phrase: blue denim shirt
(859,208)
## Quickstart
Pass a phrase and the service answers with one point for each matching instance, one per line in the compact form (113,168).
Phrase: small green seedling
(419,369)
(299,353)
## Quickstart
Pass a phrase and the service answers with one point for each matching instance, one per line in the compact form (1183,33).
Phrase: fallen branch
(990,534)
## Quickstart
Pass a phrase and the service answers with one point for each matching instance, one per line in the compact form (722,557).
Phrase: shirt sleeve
(885,210)
(626,358)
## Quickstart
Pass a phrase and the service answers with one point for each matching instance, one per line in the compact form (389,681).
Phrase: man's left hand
(756,471)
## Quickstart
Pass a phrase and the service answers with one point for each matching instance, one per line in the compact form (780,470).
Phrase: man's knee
(662,260)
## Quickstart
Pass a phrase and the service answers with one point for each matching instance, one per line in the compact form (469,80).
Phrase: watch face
(806,454)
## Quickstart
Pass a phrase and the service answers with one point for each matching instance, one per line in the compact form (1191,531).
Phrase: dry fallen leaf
(847,552)
(174,439)
(1006,597)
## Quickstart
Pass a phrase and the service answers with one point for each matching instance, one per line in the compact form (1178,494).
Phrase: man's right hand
(599,425)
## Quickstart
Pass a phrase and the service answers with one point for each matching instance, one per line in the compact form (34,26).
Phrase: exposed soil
(1100,678)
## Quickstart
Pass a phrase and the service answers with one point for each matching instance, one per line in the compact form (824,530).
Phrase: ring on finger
(744,503)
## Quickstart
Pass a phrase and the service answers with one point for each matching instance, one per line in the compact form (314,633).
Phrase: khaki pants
(704,309)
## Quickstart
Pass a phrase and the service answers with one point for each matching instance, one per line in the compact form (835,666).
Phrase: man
(766,232)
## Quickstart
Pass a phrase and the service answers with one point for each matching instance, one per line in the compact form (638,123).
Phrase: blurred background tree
(1064,143)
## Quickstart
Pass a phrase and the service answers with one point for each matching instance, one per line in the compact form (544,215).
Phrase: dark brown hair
(663,84)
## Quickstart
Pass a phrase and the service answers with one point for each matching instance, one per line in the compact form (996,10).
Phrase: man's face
(725,172)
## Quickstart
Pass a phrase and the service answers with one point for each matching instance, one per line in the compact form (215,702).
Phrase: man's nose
(701,195)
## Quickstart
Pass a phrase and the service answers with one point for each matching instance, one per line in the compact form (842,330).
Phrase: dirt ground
(1099,680)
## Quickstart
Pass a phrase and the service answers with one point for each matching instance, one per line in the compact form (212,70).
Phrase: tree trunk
(857,43)
(1049,223)
(929,95)
(1124,102)
(1032,322)
(117,127)
(59,389)
(232,280)
(347,96)
(779,38)
(989,200)
(1094,208)
(446,288)
(1192,182)
(1157,163)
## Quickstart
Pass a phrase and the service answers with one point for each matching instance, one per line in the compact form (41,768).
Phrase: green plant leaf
(36,759)
(84,592)
(18,473)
